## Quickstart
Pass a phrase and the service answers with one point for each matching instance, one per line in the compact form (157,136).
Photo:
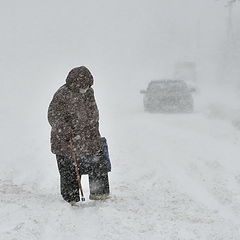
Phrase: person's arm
(93,124)
(93,113)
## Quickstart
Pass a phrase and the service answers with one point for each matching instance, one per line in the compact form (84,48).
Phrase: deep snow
(175,176)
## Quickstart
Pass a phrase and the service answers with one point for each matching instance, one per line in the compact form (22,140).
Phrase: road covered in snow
(175,176)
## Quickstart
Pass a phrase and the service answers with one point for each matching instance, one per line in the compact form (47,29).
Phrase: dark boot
(99,186)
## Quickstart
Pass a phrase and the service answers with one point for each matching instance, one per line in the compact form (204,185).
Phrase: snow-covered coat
(74,115)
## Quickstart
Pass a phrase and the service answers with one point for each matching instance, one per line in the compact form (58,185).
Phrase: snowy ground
(174,177)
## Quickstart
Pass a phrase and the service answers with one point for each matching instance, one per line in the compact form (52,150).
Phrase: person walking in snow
(74,118)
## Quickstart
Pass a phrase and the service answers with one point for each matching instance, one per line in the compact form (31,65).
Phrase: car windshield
(167,86)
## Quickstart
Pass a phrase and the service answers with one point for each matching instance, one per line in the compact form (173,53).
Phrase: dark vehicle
(167,96)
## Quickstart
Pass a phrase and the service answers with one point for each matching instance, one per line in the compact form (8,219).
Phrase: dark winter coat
(74,115)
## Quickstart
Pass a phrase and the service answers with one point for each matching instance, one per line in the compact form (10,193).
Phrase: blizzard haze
(186,166)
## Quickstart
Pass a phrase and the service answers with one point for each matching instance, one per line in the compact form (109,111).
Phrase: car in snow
(167,96)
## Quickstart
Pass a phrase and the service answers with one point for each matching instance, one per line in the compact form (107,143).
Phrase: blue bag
(105,154)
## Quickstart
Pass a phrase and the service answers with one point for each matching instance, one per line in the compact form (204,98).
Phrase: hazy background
(124,43)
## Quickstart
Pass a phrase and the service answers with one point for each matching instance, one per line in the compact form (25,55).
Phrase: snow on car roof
(166,81)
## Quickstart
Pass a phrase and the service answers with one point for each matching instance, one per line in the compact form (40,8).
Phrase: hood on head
(79,78)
